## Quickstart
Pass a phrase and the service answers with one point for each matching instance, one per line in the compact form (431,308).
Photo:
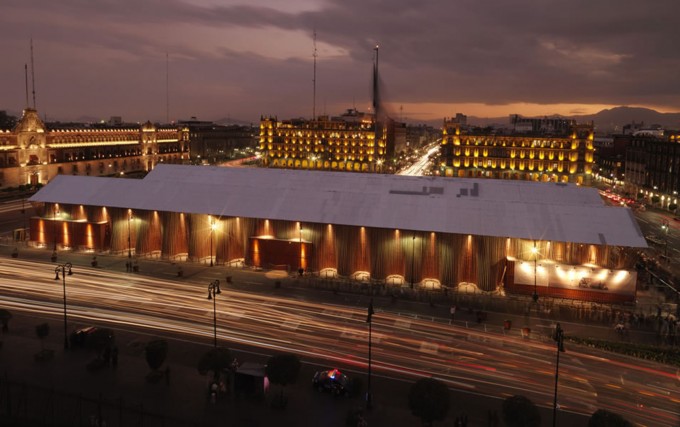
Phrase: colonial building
(547,150)
(33,153)
(344,143)
(212,143)
(384,230)
(652,166)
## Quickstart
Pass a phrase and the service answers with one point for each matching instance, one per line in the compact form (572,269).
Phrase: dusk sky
(246,58)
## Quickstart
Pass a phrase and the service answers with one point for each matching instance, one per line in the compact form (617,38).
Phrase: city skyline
(213,59)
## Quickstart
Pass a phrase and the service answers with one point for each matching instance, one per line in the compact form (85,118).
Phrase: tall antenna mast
(32,74)
(314,82)
(26,81)
(167,89)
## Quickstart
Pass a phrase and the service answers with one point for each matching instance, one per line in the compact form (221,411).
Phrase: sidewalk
(184,399)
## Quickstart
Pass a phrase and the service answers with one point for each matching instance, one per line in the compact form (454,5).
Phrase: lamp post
(534,251)
(212,228)
(664,226)
(369,319)
(65,269)
(213,291)
(129,239)
(413,257)
(559,341)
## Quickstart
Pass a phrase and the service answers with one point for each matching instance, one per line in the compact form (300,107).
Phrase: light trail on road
(467,359)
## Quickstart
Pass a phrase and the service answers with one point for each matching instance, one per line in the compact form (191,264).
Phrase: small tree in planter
(519,411)
(155,353)
(283,369)
(42,331)
(5,315)
(672,207)
(605,418)
(656,199)
(428,399)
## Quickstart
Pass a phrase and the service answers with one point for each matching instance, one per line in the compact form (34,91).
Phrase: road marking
(290,325)
(401,323)
(429,347)
(237,314)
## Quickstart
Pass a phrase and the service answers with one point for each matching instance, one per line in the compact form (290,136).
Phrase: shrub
(155,353)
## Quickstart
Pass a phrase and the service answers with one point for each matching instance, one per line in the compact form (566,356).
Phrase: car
(332,381)
(92,337)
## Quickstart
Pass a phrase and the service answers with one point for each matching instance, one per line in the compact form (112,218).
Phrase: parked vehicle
(332,381)
(92,337)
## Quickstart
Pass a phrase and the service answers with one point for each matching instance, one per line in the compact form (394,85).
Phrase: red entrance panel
(279,254)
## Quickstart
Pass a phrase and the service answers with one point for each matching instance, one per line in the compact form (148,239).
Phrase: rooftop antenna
(26,81)
(32,75)
(167,89)
(314,82)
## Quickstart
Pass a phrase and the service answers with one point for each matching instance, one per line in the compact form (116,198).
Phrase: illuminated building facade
(652,167)
(32,153)
(383,230)
(345,143)
(555,151)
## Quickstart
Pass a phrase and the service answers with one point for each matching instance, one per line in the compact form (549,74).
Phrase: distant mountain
(606,121)
(613,119)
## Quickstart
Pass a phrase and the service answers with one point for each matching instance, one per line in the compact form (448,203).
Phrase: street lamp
(369,319)
(212,228)
(213,291)
(413,257)
(534,251)
(129,240)
(559,341)
(65,269)
(664,226)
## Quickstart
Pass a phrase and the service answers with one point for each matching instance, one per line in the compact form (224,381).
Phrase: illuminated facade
(32,154)
(345,143)
(564,154)
(652,167)
(417,232)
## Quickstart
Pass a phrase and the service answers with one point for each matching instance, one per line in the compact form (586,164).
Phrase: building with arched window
(554,239)
(33,153)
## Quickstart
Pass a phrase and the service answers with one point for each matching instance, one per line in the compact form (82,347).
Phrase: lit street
(404,347)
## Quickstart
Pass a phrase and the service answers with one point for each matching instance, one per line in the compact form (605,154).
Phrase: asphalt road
(405,347)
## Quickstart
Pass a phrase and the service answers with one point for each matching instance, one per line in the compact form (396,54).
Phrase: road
(404,347)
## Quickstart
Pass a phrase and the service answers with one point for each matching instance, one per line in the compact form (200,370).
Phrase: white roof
(501,208)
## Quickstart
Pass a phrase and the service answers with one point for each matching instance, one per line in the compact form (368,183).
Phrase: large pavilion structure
(556,239)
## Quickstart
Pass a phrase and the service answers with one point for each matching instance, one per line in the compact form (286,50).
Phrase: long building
(32,153)
(551,239)
(343,143)
(546,150)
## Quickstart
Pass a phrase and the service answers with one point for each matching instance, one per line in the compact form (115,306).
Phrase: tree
(519,411)
(215,360)
(155,353)
(605,418)
(672,207)
(42,331)
(655,199)
(428,399)
(5,315)
(283,369)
